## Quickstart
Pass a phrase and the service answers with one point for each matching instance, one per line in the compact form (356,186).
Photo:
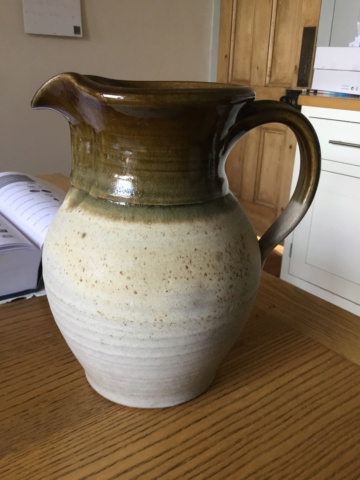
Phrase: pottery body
(151,308)
(151,267)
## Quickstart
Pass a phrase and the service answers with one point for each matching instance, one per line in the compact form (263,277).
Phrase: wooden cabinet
(322,256)
(260,45)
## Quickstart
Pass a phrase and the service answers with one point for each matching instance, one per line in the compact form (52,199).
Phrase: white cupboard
(322,255)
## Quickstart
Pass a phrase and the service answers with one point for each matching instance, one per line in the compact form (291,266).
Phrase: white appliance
(337,69)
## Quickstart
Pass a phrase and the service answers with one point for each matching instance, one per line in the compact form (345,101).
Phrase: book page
(10,237)
(29,204)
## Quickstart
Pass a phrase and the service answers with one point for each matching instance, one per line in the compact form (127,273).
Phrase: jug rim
(129,92)
(160,86)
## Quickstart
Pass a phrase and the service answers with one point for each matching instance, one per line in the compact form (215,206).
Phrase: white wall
(344,27)
(338,22)
(325,23)
(123,39)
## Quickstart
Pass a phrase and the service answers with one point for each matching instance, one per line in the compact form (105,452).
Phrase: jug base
(158,400)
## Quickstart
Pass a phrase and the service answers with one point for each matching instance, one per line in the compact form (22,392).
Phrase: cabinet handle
(344,144)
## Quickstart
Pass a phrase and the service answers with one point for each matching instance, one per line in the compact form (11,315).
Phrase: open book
(27,207)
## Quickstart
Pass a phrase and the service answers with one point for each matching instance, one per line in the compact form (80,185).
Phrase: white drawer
(339,140)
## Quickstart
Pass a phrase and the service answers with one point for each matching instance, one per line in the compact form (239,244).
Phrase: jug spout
(59,94)
(72,95)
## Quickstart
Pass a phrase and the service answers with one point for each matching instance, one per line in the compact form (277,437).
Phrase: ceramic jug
(151,267)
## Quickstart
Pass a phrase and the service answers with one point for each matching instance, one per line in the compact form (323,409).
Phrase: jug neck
(150,143)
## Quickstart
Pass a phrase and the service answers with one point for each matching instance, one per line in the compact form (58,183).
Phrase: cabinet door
(259,45)
(325,246)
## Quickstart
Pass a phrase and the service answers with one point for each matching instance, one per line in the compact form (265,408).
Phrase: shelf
(339,103)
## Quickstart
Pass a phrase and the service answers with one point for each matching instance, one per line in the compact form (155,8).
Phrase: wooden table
(284,405)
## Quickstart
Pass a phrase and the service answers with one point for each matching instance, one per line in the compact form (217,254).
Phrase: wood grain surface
(282,406)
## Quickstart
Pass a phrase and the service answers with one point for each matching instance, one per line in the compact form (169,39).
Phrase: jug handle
(269,111)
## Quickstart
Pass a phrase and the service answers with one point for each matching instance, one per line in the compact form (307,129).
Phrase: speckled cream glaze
(150,299)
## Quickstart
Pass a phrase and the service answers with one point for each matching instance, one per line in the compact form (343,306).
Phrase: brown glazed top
(150,143)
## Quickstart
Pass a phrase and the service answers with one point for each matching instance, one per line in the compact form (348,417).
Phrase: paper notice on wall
(53,17)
